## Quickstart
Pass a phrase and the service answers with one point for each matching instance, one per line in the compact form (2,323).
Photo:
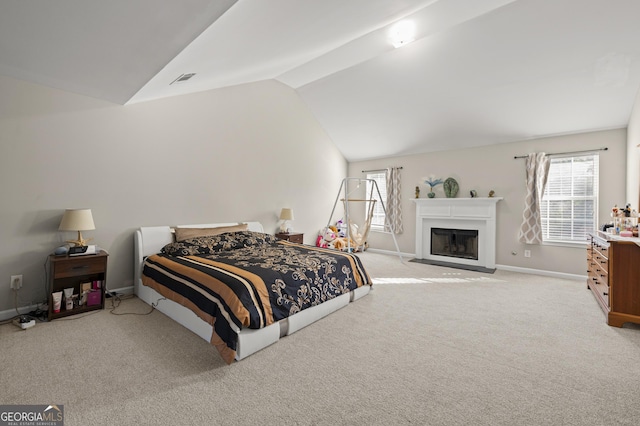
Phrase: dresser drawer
(601,291)
(602,275)
(600,250)
(295,237)
(601,262)
(76,267)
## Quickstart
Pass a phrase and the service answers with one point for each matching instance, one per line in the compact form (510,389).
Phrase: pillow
(188,233)
(217,243)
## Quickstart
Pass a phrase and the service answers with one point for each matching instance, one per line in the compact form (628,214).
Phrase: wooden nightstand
(294,237)
(72,272)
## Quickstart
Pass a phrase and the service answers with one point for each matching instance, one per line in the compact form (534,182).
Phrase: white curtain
(537,171)
(393,223)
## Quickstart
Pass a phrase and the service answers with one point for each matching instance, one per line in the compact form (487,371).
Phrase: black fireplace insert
(461,243)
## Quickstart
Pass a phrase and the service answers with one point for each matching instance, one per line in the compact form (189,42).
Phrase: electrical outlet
(527,253)
(16,282)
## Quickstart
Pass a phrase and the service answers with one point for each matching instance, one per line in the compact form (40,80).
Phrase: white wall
(633,156)
(240,153)
(493,167)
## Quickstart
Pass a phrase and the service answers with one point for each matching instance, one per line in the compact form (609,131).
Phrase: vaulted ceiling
(479,71)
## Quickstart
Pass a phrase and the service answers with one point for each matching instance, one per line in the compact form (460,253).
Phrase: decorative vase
(431,194)
(450,187)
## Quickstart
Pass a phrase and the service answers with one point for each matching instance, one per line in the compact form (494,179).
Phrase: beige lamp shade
(77,220)
(286,214)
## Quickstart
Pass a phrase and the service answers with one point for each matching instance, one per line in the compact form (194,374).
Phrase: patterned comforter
(249,280)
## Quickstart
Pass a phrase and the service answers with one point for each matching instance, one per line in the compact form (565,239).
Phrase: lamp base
(80,242)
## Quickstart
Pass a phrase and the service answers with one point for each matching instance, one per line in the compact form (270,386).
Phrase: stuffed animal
(342,243)
(326,238)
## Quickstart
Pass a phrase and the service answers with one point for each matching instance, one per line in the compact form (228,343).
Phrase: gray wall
(493,167)
(240,153)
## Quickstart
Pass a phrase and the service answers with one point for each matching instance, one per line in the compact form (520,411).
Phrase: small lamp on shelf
(77,220)
(286,214)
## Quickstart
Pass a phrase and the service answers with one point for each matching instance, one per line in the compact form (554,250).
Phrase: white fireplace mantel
(458,213)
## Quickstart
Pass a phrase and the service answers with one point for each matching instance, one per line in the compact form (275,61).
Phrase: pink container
(93,298)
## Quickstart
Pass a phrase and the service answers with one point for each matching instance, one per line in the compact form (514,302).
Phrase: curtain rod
(564,153)
(378,170)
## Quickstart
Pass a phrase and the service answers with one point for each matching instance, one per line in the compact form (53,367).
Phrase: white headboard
(149,240)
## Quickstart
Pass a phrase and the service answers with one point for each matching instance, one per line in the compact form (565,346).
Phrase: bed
(242,290)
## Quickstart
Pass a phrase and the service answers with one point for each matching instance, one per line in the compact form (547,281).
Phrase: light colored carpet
(429,345)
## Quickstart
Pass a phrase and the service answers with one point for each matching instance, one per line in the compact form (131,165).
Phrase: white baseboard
(408,256)
(542,272)
(10,313)
(122,290)
(405,256)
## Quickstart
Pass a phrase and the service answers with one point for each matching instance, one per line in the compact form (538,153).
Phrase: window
(377,222)
(569,206)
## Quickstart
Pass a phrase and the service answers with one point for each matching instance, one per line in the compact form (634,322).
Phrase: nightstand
(294,237)
(74,272)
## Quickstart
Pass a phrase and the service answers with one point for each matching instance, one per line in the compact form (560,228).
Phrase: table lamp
(286,215)
(77,220)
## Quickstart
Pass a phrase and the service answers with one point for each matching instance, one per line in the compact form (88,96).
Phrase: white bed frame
(150,240)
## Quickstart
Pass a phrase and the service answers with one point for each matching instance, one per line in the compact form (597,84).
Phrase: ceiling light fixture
(402,33)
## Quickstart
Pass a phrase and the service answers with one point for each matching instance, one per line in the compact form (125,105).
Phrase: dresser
(613,270)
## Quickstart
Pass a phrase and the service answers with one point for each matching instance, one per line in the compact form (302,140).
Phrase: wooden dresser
(613,268)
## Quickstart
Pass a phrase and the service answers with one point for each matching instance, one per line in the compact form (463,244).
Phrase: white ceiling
(480,71)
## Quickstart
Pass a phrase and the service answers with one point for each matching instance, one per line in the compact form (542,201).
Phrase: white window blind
(377,222)
(569,206)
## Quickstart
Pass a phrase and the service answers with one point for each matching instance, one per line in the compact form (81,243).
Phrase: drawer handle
(604,293)
(603,261)
(75,268)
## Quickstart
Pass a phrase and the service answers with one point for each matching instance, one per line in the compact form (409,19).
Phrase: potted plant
(432,182)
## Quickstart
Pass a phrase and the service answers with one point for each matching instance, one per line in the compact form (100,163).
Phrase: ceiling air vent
(182,78)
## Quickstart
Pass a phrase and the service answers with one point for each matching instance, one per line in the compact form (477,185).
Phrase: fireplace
(457,231)
(462,243)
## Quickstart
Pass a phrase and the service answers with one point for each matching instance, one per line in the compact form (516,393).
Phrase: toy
(326,237)
(342,228)
(334,237)
(341,243)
